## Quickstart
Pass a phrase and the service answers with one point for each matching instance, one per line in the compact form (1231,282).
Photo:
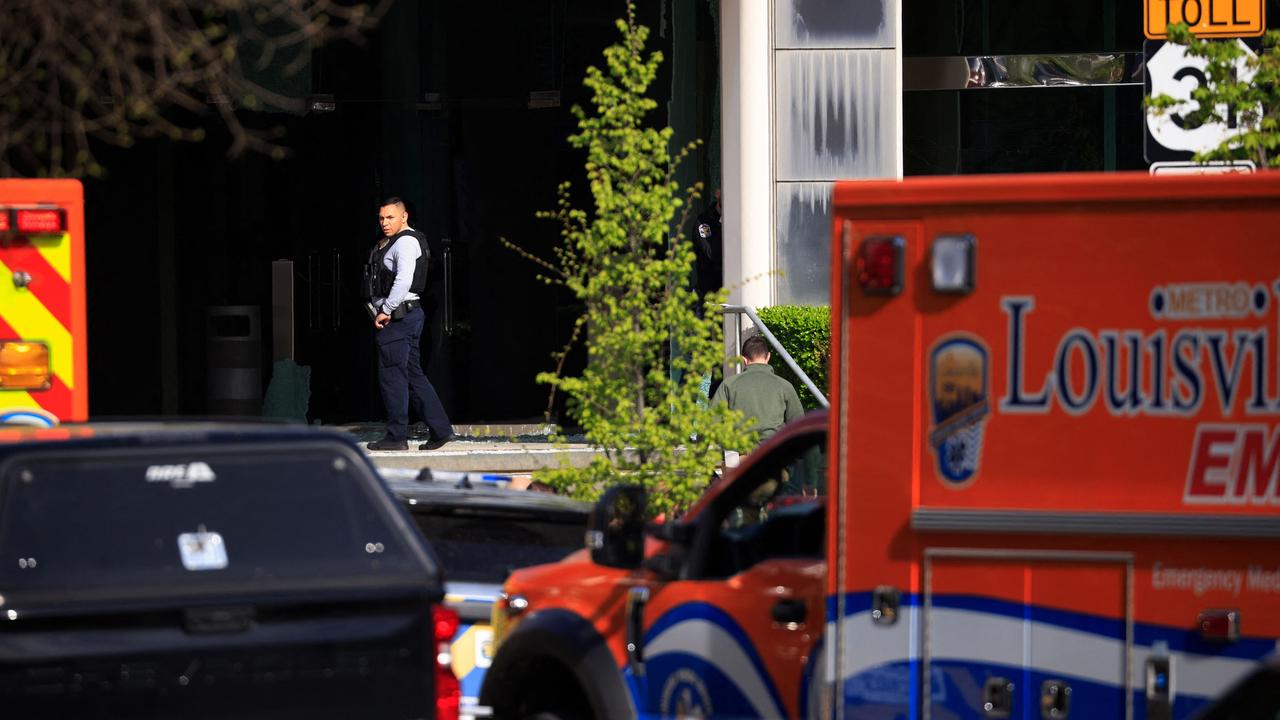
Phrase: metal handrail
(739,311)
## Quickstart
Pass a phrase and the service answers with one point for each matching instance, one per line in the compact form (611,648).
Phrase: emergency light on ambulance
(951,260)
(24,365)
(33,220)
(879,264)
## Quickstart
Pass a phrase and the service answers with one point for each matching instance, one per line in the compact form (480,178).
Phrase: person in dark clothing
(708,268)
(398,321)
(708,249)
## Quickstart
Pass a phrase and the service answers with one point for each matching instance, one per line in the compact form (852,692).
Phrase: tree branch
(73,71)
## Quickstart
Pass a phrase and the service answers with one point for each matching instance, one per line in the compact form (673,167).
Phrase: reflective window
(778,510)
(834,116)
(987,27)
(1022,130)
(803,246)
(835,23)
(475,546)
(1036,129)
(111,525)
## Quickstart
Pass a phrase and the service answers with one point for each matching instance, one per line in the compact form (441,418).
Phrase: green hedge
(805,332)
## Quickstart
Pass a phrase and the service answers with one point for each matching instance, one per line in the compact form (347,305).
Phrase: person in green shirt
(767,401)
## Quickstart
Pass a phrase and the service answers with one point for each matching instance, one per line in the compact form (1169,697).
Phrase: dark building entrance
(462,109)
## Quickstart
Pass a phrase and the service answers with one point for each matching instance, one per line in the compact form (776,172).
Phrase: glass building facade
(890,88)
(835,72)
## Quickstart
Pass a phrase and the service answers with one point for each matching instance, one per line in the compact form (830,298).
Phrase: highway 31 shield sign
(1170,71)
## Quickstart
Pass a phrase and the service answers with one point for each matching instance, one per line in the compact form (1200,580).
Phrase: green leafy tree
(805,331)
(1254,94)
(638,401)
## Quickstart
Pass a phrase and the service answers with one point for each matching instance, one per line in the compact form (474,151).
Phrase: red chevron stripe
(46,284)
(57,399)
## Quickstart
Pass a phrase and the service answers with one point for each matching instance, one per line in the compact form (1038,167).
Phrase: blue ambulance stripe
(1144,634)
(716,616)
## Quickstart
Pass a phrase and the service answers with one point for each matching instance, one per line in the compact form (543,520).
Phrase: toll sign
(1207,18)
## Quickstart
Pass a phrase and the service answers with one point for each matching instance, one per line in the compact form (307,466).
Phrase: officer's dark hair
(393,200)
(755,348)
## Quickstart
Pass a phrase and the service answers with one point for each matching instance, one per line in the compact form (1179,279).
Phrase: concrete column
(747,141)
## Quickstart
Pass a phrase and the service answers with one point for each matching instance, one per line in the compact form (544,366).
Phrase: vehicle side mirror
(615,533)
(674,531)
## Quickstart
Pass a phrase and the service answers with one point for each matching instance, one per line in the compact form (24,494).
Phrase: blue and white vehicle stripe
(698,660)
(881,662)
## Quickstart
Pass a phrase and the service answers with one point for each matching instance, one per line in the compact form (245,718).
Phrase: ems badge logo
(685,697)
(959,397)
(704,230)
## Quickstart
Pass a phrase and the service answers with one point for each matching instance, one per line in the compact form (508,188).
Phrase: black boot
(437,443)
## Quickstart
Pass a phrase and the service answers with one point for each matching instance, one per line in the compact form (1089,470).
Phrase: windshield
(476,546)
(181,520)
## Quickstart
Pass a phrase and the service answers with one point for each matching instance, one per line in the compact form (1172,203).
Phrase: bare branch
(73,71)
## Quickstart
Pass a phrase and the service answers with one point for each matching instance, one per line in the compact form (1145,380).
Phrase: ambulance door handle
(1055,700)
(997,698)
(789,612)
(1159,685)
(637,598)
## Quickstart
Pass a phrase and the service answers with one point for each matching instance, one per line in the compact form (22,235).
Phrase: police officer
(394,277)
(708,249)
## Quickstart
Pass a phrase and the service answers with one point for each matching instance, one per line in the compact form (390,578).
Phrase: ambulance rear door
(994,647)
(43,368)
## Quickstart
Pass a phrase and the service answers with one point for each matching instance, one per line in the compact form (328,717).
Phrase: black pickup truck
(213,571)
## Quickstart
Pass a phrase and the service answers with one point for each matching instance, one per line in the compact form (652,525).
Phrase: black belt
(404,308)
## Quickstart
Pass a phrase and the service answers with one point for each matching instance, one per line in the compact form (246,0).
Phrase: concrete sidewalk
(509,448)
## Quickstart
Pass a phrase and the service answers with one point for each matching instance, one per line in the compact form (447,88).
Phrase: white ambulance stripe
(1197,675)
(868,645)
(970,636)
(706,640)
(983,638)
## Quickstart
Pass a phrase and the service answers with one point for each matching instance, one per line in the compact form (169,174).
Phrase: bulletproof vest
(377,280)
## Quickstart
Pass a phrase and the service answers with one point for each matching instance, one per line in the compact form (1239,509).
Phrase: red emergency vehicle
(44,376)
(1052,481)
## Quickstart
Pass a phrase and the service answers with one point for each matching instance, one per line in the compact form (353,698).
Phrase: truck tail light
(444,621)
(6,221)
(879,265)
(952,264)
(41,221)
(24,366)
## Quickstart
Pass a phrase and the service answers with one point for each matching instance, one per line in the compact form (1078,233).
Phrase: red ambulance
(1048,485)
(44,375)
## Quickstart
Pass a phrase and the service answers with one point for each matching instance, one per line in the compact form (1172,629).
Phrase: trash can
(234,382)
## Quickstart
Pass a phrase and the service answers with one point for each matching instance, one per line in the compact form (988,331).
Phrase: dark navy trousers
(402,381)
